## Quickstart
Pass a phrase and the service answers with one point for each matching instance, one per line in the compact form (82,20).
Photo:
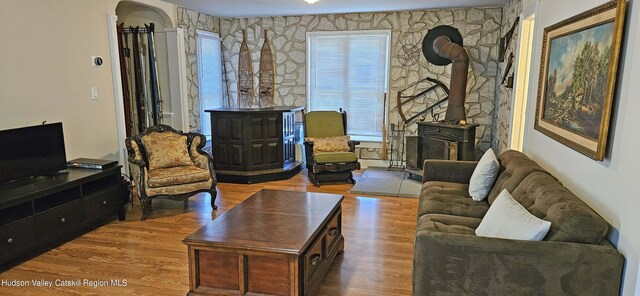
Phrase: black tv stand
(58,173)
(45,211)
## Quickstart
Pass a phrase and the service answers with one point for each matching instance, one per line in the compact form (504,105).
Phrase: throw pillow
(330,144)
(507,218)
(166,150)
(484,175)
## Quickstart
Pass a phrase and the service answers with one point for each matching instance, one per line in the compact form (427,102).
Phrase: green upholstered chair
(329,166)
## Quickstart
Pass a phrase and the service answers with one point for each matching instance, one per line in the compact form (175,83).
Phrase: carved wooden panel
(220,128)
(270,153)
(288,136)
(268,275)
(271,127)
(257,124)
(235,129)
(218,270)
(257,154)
(236,155)
(222,155)
(289,150)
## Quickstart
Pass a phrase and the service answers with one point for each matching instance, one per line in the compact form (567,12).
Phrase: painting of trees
(578,74)
(577,80)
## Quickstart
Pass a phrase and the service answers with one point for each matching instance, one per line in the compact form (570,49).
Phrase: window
(209,77)
(348,70)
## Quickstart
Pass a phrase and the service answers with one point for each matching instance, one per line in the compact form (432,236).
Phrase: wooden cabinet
(45,210)
(253,145)
(273,243)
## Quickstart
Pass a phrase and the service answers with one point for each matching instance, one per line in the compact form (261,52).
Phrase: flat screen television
(31,151)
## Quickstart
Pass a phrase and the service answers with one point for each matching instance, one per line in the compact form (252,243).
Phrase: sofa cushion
(166,150)
(335,157)
(330,144)
(484,175)
(508,219)
(448,224)
(514,167)
(177,175)
(571,219)
(450,199)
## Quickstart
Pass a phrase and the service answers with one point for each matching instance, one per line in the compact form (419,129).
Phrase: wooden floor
(149,255)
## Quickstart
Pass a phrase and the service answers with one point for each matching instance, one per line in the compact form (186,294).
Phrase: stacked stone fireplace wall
(481,29)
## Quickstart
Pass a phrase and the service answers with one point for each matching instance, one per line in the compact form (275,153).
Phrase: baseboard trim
(364,163)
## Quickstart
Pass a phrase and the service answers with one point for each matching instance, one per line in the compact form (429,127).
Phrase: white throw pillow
(507,218)
(484,175)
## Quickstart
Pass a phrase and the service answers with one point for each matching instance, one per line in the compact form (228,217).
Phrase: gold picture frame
(577,79)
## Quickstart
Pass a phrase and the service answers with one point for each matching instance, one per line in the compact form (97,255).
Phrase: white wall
(46,73)
(610,187)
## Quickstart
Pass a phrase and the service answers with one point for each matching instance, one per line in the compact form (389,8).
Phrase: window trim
(387,65)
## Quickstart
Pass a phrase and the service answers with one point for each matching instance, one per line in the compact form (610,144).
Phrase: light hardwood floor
(149,255)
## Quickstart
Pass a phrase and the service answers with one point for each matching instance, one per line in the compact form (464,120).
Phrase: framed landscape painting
(578,78)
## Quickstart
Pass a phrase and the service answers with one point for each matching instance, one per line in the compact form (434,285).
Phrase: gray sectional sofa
(449,259)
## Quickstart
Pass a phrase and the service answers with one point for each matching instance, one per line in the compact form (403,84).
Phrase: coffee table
(275,243)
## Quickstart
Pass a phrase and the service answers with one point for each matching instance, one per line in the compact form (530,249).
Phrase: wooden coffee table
(275,242)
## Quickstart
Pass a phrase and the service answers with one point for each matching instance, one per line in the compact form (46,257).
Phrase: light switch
(94,93)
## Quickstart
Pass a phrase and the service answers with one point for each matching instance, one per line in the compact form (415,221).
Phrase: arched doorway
(170,64)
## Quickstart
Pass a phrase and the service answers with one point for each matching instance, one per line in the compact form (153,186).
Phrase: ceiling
(250,8)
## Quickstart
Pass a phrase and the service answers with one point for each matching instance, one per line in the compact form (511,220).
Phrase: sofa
(449,259)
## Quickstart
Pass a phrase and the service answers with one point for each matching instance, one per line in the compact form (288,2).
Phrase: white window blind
(209,77)
(348,70)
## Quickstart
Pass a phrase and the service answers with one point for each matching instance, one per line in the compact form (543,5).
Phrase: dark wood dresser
(254,145)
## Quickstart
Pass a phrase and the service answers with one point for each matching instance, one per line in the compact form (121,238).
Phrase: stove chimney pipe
(445,48)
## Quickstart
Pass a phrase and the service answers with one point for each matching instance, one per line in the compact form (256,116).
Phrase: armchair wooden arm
(135,153)
(352,145)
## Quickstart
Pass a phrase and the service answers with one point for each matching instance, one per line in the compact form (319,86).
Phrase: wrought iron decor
(409,52)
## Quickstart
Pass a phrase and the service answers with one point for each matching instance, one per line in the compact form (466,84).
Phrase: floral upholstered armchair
(330,154)
(170,164)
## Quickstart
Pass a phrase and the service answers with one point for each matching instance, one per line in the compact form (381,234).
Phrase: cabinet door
(288,136)
(102,203)
(59,221)
(16,236)
(266,143)
(227,141)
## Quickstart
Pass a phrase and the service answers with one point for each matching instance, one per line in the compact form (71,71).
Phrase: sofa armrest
(455,264)
(456,171)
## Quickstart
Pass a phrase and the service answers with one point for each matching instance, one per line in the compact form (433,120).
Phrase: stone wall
(480,28)
(191,21)
(505,95)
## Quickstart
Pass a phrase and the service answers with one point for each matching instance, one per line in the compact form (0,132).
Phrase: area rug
(382,181)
